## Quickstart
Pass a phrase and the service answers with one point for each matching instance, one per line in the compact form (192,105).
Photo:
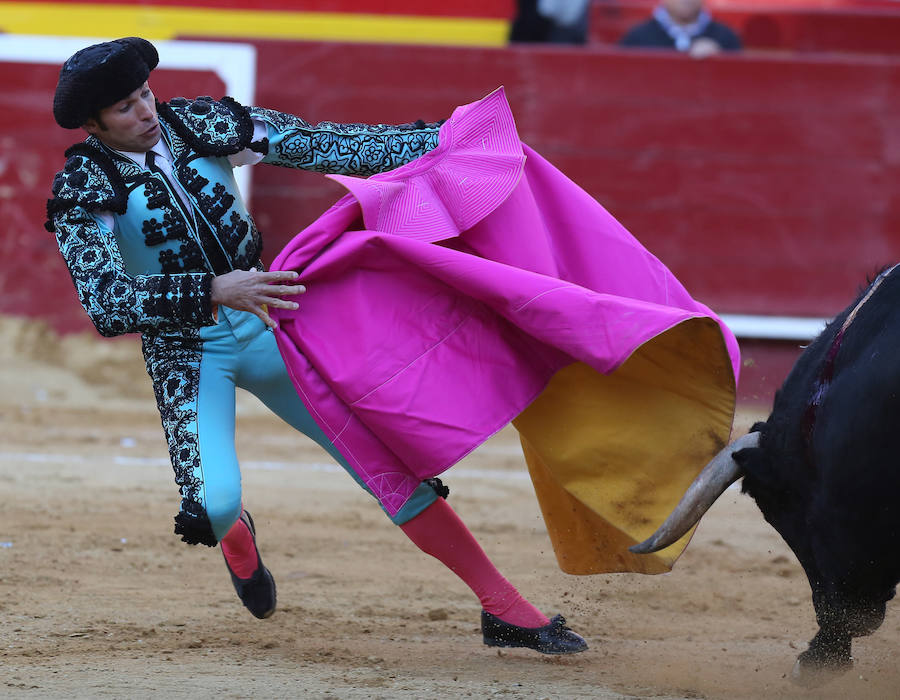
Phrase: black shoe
(257,593)
(552,638)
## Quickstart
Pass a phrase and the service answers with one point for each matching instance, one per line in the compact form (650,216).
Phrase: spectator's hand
(253,291)
(703,47)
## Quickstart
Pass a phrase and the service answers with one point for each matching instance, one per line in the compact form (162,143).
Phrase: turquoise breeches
(237,352)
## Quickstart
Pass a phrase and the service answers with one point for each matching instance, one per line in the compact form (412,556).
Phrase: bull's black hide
(826,473)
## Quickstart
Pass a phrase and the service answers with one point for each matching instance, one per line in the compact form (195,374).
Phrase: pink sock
(239,550)
(438,531)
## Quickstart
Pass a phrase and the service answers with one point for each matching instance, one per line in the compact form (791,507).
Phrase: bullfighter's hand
(255,291)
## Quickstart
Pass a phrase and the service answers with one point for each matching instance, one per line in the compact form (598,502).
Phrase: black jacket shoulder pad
(209,127)
(89,180)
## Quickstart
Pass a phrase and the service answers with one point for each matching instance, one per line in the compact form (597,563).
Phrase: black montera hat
(100,75)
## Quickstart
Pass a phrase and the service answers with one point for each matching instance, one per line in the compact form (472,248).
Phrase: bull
(824,469)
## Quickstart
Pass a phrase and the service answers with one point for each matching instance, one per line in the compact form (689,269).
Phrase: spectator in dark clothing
(551,21)
(683,25)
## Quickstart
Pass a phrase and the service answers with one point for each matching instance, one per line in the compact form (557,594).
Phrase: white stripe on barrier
(774,327)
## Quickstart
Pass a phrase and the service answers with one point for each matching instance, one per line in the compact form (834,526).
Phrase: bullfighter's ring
(766,181)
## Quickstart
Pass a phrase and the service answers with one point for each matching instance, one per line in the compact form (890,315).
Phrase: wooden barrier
(767,184)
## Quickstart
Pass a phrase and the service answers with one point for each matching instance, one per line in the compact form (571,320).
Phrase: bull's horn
(716,476)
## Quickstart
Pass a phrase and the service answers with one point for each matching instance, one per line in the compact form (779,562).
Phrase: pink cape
(443,296)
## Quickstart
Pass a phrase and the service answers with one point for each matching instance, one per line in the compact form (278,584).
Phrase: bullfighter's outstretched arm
(347,149)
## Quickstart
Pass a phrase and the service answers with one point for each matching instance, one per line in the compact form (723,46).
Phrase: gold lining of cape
(611,455)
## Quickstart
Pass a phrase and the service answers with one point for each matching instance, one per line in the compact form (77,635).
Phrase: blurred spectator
(551,21)
(683,25)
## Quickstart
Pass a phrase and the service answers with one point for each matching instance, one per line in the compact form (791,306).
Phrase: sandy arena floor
(98,599)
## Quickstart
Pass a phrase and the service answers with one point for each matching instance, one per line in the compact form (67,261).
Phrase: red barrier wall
(767,185)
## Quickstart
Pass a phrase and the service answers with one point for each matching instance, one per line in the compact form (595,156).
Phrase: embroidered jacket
(152,272)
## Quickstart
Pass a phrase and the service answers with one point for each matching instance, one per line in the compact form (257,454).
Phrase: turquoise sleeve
(346,149)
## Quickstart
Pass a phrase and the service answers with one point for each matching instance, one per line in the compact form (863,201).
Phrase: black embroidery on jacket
(351,149)
(119,303)
(89,180)
(174,367)
(209,127)
(170,228)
